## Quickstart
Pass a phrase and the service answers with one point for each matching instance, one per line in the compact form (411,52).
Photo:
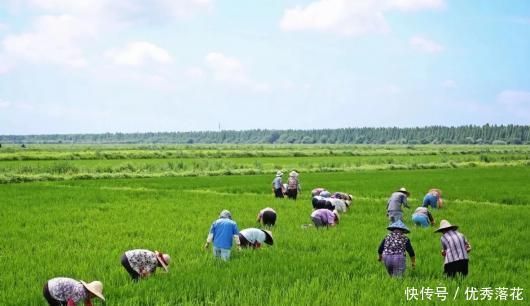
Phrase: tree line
(468,134)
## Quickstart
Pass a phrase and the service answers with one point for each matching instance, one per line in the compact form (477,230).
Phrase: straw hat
(225,214)
(293,173)
(95,287)
(268,239)
(398,225)
(163,259)
(445,225)
(279,173)
(404,190)
(336,215)
(325,194)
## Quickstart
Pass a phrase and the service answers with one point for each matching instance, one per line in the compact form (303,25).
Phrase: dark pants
(318,204)
(318,222)
(278,193)
(51,301)
(292,193)
(459,266)
(268,218)
(125,263)
(244,242)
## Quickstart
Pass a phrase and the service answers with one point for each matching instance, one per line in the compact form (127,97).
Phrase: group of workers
(455,247)
(291,189)
(327,206)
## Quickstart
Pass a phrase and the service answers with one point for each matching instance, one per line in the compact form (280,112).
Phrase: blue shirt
(223,231)
(396,200)
(430,200)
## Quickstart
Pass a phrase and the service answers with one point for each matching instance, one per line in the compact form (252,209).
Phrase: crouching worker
(325,217)
(433,198)
(422,217)
(255,237)
(222,232)
(142,263)
(67,291)
(267,217)
(455,249)
(392,249)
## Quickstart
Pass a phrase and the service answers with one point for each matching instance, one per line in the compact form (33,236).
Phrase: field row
(78,152)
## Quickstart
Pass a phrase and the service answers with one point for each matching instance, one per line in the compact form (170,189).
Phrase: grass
(79,228)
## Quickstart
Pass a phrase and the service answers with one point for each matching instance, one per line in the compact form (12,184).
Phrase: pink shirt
(325,215)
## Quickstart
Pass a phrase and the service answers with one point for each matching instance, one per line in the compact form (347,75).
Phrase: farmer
(325,217)
(277,185)
(433,198)
(67,291)
(267,217)
(392,249)
(422,217)
(222,232)
(343,196)
(455,249)
(143,263)
(293,185)
(317,191)
(254,238)
(319,202)
(396,200)
(338,205)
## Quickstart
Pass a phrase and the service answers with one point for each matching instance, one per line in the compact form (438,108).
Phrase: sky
(93,66)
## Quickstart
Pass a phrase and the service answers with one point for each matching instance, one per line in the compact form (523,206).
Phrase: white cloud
(347,17)
(53,39)
(194,73)
(449,84)
(515,101)
(139,54)
(226,69)
(230,70)
(426,45)
(415,5)
(185,8)
(521,20)
(4,104)
(514,97)
(392,89)
(3,27)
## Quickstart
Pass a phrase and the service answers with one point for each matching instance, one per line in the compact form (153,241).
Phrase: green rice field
(71,211)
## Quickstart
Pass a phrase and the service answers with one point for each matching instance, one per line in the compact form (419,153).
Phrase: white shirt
(253,235)
(339,204)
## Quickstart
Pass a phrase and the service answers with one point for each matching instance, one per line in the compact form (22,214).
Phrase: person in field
(422,217)
(255,237)
(142,263)
(338,205)
(317,191)
(222,232)
(319,202)
(277,185)
(455,249)
(433,198)
(392,249)
(325,218)
(325,194)
(293,185)
(67,291)
(347,198)
(396,200)
(267,217)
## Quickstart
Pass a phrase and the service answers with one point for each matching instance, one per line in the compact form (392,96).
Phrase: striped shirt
(454,245)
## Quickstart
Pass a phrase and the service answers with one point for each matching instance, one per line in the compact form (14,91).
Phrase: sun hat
(225,214)
(336,214)
(95,287)
(398,225)
(325,194)
(293,173)
(268,239)
(163,259)
(404,190)
(445,225)
(279,173)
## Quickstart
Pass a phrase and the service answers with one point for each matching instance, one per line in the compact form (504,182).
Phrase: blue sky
(91,66)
